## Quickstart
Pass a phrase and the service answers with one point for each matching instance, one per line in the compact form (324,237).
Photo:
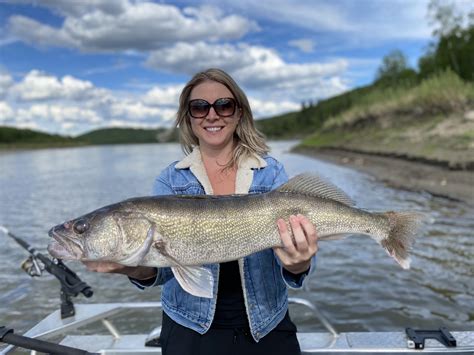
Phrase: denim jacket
(264,281)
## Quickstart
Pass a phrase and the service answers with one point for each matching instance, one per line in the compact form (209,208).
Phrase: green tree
(454,47)
(447,21)
(427,64)
(392,64)
(394,71)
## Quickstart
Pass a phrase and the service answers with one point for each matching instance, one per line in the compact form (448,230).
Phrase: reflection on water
(356,285)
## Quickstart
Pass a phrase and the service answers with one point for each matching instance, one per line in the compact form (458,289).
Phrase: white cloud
(37,86)
(284,76)
(79,8)
(40,86)
(57,113)
(304,44)
(120,65)
(5,82)
(191,58)
(262,108)
(163,96)
(129,26)
(136,110)
(254,67)
(6,112)
(74,113)
(38,34)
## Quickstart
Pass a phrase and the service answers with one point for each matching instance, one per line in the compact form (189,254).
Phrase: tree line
(452,49)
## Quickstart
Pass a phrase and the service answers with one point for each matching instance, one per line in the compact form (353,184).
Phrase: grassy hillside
(431,121)
(440,94)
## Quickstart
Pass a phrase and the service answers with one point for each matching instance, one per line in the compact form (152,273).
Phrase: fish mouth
(63,246)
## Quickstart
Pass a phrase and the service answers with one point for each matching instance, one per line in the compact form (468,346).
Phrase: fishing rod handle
(7,336)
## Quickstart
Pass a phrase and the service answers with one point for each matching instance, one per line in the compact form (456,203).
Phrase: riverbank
(405,174)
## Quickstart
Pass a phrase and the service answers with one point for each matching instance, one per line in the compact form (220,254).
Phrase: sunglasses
(224,107)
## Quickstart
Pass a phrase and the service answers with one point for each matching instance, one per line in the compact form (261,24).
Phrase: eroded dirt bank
(405,174)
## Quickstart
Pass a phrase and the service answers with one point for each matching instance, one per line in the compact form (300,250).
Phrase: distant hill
(11,137)
(127,136)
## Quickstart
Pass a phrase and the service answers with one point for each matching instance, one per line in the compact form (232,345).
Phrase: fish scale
(232,228)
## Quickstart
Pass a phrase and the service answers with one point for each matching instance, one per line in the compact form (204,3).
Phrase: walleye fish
(186,232)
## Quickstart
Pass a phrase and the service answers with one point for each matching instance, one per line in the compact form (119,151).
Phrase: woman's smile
(214,129)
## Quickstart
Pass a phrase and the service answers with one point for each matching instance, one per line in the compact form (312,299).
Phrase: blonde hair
(248,140)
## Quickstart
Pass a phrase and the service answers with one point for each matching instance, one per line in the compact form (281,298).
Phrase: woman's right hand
(136,272)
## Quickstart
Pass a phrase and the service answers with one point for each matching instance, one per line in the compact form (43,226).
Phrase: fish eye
(80,226)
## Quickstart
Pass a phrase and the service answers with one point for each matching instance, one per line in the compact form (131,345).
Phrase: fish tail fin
(404,227)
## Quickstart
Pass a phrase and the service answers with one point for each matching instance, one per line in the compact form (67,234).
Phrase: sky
(71,66)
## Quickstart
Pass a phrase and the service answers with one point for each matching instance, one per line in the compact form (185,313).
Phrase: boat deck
(311,343)
(330,342)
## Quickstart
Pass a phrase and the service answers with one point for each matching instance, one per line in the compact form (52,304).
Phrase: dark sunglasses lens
(225,107)
(199,108)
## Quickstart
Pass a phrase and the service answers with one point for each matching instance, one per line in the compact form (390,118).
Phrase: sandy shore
(405,174)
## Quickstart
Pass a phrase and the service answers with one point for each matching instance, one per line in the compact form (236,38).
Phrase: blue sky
(69,66)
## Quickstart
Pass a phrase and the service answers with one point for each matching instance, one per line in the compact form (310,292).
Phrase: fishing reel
(33,266)
(36,263)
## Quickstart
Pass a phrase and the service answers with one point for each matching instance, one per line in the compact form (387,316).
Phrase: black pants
(179,340)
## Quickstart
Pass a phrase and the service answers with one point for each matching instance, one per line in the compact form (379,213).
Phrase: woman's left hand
(297,251)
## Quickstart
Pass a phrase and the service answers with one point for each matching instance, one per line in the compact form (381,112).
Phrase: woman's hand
(296,253)
(136,272)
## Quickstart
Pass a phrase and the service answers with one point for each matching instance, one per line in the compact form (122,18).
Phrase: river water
(356,285)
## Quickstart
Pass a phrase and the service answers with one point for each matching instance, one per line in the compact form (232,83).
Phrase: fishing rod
(71,284)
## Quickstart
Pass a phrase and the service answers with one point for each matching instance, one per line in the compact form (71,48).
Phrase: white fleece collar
(243,179)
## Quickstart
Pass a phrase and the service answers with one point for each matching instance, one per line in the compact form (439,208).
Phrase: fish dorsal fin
(314,185)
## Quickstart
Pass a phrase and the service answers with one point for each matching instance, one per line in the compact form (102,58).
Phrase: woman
(225,154)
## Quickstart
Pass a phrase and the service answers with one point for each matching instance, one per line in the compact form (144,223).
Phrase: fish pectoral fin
(138,255)
(196,280)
